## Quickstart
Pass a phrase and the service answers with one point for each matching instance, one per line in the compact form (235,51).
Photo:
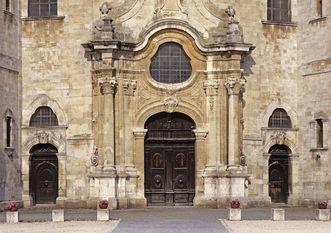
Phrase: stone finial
(105,9)
(230,11)
(234,34)
(104,27)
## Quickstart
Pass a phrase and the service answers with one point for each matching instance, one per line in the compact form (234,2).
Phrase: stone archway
(169,159)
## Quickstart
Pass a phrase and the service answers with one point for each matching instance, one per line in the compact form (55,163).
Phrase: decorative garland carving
(211,89)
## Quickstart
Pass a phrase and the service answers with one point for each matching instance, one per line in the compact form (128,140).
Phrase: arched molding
(44,100)
(8,113)
(43,137)
(157,107)
(287,142)
(277,104)
(320,115)
(183,26)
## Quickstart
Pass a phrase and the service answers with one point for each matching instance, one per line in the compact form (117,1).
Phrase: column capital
(235,85)
(211,87)
(129,87)
(200,134)
(139,133)
(107,85)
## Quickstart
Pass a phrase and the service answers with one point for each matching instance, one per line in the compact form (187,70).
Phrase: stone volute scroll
(211,88)
(234,34)
(95,157)
(235,85)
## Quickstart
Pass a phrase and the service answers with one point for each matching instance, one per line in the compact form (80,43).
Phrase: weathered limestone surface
(103,93)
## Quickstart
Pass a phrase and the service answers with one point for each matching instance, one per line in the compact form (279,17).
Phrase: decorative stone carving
(129,86)
(170,104)
(211,89)
(170,8)
(242,159)
(104,27)
(279,137)
(234,34)
(139,133)
(43,137)
(95,157)
(235,85)
(200,134)
(107,85)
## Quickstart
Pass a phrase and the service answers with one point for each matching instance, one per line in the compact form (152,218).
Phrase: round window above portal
(170,64)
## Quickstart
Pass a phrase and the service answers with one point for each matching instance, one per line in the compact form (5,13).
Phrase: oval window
(170,64)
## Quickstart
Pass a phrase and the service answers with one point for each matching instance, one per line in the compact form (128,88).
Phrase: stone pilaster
(211,88)
(107,89)
(139,157)
(200,157)
(234,86)
(129,88)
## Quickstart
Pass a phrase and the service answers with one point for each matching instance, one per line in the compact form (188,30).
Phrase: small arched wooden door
(44,174)
(169,160)
(278,174)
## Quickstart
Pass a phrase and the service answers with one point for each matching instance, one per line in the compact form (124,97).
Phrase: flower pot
(322,205)
(13,209)
(235,206)
(103,206)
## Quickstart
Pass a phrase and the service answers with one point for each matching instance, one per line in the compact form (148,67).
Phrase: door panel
(277,183)
(44,178)
(170,176)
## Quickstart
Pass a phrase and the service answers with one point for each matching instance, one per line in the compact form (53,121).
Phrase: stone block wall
(10,101)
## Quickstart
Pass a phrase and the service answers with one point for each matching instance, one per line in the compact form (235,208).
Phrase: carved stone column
(234,87)
(107,89)
(211,88)
(200,161)
(139,157)
(129,88)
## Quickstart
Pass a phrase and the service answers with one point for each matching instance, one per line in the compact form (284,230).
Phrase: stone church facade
(175,102)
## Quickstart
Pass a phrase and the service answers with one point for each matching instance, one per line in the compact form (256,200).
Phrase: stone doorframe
(54,135)
(293,165)
(200,148)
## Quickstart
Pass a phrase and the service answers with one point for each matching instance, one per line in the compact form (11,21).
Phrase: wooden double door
(170,160)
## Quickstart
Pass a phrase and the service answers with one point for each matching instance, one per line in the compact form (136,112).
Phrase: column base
(60,202)
(137,203)
(27,201)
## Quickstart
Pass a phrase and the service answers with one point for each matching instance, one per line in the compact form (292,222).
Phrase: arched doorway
(278,173)
(44,174)
(169,160)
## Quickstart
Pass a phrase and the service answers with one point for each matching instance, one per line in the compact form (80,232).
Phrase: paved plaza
(161,220)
